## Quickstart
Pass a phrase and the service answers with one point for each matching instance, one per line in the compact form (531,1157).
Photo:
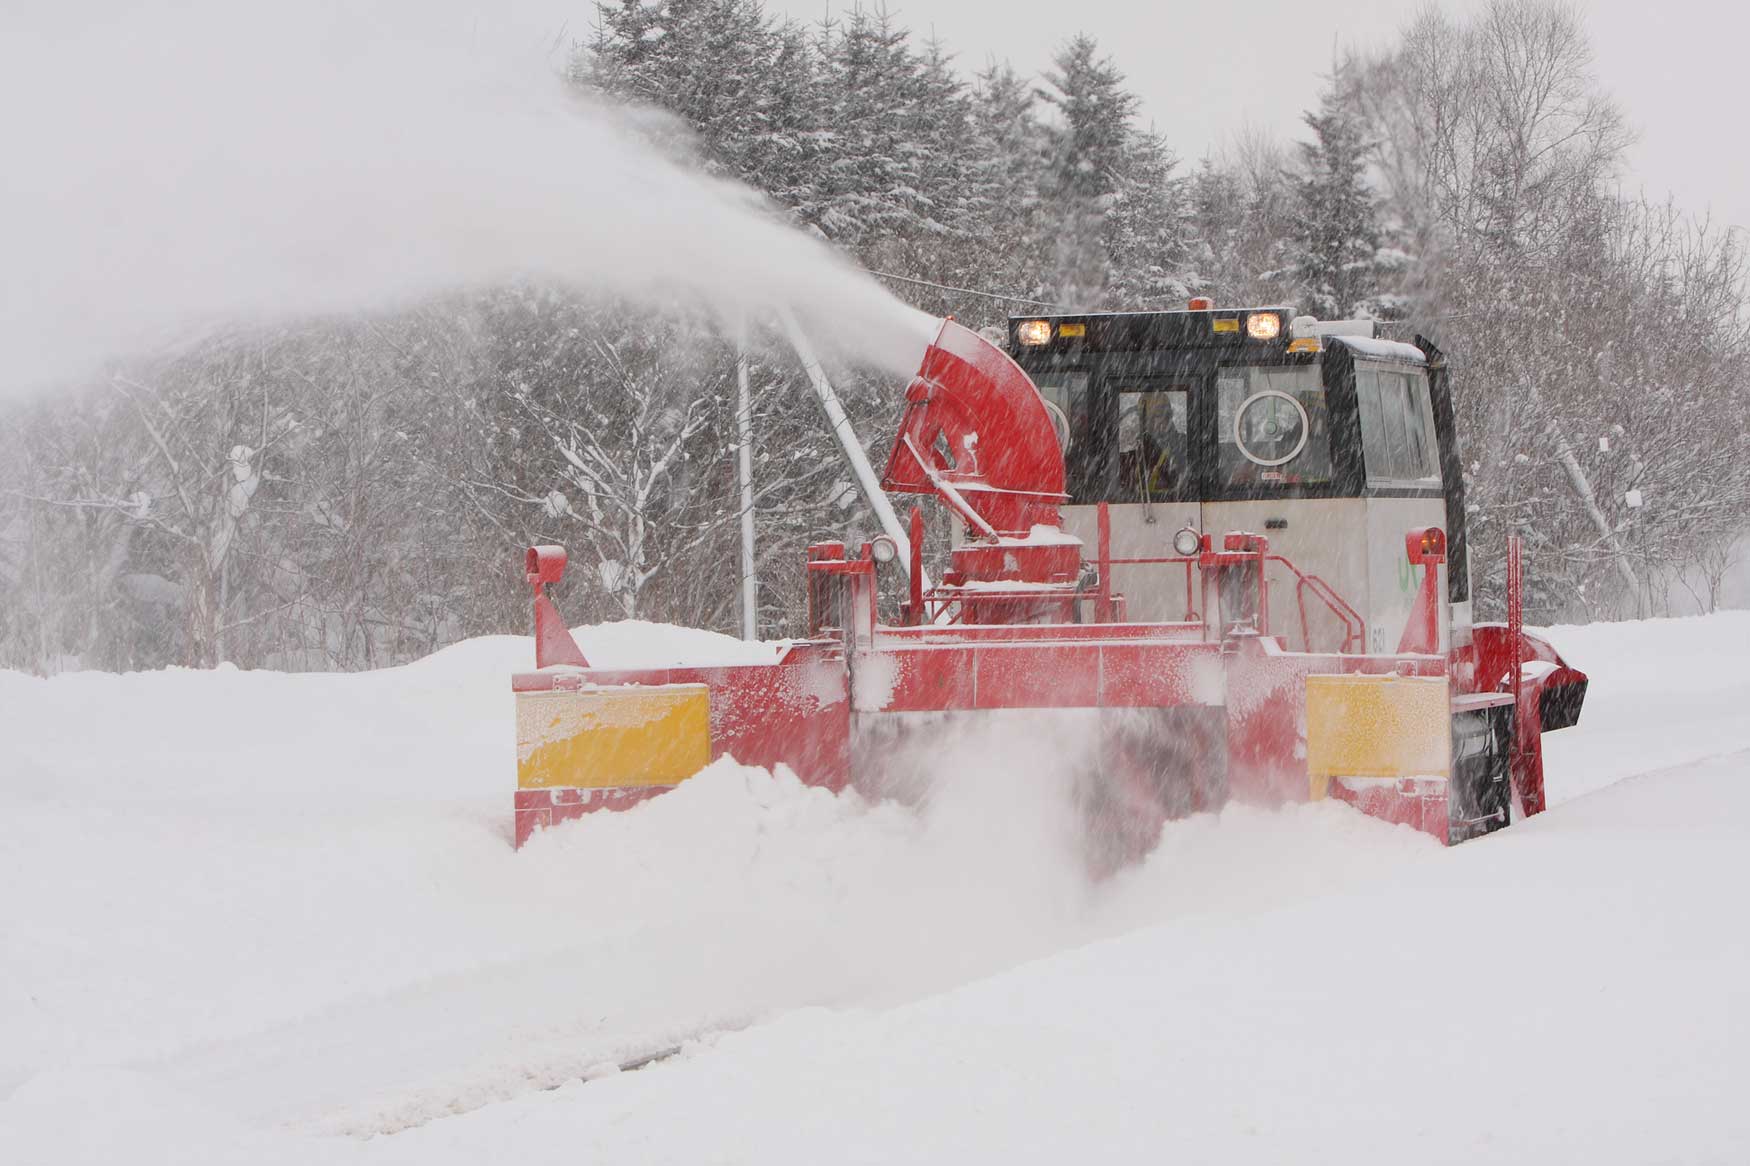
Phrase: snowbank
(247,912)
(1384,1024)
(1663,692)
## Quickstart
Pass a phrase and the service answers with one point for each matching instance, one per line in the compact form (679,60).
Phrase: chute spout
(976,433)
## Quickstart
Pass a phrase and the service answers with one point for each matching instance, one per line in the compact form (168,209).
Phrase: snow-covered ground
(254,917)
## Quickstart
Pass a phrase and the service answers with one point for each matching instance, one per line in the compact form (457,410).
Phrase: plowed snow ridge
(245,912)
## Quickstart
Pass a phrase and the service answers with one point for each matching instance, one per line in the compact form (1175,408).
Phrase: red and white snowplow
(1225,549)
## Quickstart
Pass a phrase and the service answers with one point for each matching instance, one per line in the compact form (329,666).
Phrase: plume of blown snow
(173,166)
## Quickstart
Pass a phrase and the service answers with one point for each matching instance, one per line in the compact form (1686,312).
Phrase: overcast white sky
(1206,69)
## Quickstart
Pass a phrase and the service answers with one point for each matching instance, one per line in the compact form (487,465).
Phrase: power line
(970,291)
(966,291)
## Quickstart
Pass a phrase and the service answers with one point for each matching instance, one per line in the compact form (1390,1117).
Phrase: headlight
(1033,332)
(1187,543)
(884,549)
(1263,325)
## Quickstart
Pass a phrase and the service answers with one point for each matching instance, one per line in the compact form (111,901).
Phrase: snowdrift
(255,916)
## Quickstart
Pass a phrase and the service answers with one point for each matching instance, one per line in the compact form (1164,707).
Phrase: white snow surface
(269,918)
(637,643)
(1383,349)
(1041,535)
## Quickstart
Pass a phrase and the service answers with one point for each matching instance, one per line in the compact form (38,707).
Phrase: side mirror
(544,565)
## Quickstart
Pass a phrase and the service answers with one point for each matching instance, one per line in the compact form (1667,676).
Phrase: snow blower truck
(1227,547)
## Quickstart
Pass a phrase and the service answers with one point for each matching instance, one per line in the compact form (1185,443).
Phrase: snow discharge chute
(1330,655)
(976,433)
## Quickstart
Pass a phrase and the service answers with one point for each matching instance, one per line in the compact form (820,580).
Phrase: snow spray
(175,166)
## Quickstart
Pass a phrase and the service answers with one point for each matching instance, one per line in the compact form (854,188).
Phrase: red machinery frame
(1017,623)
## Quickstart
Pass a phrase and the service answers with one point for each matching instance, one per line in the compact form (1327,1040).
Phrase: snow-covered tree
(1012,153)
(1336,236)
(1567,309)
(1148,229)
(347,492)
(1091,142)
(1241,207)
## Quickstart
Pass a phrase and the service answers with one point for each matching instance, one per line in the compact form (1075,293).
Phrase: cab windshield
(1272,426)
(1163,427)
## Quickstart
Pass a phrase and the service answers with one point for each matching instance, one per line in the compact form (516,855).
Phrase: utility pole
(750,584)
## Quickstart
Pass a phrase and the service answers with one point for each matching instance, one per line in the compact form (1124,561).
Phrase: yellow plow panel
(612,737)
(1376,726)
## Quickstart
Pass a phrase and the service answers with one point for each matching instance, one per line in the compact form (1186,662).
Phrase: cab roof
(1144,331)
(1195,328)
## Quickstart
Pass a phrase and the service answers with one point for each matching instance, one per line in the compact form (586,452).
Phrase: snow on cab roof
(1382,349)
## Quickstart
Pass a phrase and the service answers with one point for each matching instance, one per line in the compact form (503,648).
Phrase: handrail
(1353,634)
(939,600)
(1354,627)
(1354,638)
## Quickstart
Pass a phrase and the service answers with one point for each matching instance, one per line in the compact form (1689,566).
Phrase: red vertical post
(1526,758)
(1430,601)
(917,565)
(1515,607)
(1103,597)
(1263,548)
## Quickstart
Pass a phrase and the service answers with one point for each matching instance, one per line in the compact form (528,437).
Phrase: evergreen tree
(1012,154)
(727,70)
(937,242)
(1336,226)
(787,163)
(1120,219)
(1148,229)
(941,128)
(1241,210)
(873,171)
(1088,161)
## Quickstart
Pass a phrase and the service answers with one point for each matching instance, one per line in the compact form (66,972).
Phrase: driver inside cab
(1151,447)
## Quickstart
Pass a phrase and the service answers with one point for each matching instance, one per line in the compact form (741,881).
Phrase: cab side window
(1397,425)
(1273,426)
(1153,448)
(1066,394)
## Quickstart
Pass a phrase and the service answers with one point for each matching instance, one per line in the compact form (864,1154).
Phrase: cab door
(1273,470)
(1403,491)
(1147,475)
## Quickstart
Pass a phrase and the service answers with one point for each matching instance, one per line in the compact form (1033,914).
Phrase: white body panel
(1391,582)
(1355,545)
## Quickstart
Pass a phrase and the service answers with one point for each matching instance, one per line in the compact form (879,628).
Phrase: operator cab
(1322,437)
